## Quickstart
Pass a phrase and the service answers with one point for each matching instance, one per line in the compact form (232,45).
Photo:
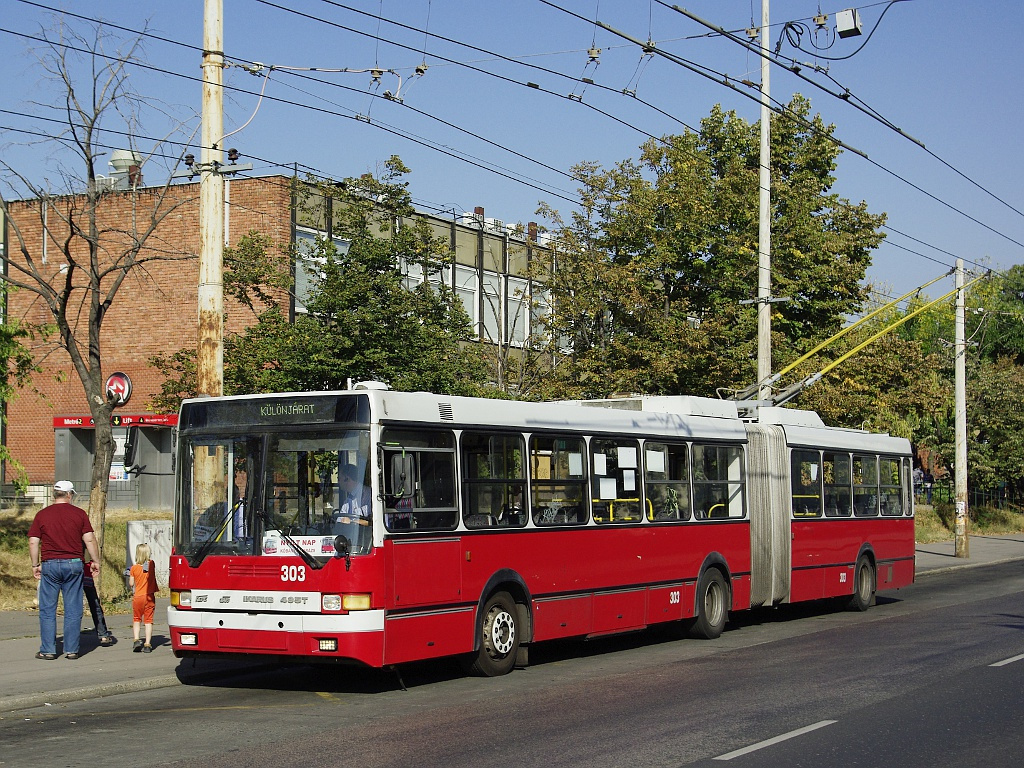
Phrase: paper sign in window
(655,461)
(628,480)
(627,458)
(608,488)
(575,465)
(600,464)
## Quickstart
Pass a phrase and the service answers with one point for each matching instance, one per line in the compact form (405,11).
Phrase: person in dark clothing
(99,621)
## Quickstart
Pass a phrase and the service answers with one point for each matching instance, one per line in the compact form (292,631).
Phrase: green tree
(18,366)
(652,268)
(995,407)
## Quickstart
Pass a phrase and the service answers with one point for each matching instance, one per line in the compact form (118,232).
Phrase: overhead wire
(846,95)
(376,122)
(355,116)
(340,5)
(252,93)
(723,79)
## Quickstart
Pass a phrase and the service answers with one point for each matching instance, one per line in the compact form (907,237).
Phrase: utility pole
(210,357)
(961,542)
(764,227)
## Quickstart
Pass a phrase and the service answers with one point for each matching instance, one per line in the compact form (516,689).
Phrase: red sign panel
(118,420)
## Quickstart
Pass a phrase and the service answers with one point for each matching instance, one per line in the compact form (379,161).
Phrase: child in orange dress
(142,578)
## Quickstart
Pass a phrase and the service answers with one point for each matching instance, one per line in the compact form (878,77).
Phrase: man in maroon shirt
(55,545)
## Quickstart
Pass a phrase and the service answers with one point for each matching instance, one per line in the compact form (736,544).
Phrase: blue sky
(948,73)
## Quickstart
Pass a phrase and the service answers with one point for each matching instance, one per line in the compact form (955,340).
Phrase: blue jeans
(60,577)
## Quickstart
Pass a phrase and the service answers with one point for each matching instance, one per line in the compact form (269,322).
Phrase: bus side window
(865,486)
(667,481)
(718,486)
(425,473)
(558,480)
(493,480)
(890,491)
(615,480)
(836,475)
(805,468)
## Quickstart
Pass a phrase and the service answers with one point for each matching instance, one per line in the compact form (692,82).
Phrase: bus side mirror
(131,446)
(402,474)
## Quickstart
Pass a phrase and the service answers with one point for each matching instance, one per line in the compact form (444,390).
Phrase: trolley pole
(764,226)
(210,352)
(961,542)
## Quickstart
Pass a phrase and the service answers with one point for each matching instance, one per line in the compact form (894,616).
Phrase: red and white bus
(384,527)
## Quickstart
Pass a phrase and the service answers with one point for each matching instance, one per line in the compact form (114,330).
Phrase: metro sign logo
(119,388)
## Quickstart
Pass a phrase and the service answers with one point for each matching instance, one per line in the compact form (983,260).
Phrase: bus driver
(354,501)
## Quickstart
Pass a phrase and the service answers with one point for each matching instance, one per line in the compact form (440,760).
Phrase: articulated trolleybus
(382,527)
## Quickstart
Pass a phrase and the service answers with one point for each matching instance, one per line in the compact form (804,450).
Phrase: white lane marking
(1010,660)
(776,740)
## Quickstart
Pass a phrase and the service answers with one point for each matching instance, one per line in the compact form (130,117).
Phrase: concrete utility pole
(961,544)
(764,227)
(210,360)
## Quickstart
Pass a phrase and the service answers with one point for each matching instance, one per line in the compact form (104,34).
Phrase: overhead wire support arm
(750,391)
(790,392)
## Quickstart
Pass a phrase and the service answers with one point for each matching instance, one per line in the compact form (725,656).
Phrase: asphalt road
(910,682)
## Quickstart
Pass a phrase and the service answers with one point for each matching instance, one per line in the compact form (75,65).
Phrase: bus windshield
(248,494)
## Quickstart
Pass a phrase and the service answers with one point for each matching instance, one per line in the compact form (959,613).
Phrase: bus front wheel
(712,605)
(499,638)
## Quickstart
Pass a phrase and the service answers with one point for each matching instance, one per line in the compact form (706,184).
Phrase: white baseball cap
(64,486)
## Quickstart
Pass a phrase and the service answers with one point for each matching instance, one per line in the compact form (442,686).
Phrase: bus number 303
(293,573)
(673,597)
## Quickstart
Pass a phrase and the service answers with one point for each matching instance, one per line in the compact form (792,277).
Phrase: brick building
(155,310)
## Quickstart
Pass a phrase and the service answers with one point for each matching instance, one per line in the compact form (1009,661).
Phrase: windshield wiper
(204,550)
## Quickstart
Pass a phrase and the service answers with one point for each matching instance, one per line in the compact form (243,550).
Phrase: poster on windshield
(274,545)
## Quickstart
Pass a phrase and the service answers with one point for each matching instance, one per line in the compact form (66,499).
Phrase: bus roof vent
(445,410)
(790,417)
(380,385)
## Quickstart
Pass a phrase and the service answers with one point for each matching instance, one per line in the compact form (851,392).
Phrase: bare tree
(103,232)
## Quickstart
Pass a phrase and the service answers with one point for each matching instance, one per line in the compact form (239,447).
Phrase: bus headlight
(356,602)
(181,598)
(330,602)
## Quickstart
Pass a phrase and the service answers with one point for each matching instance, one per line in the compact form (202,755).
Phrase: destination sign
(277,410)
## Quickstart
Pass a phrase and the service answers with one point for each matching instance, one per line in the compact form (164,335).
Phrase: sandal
(137,646)
(106,640)
(46,656)
(147,648)
(71,656)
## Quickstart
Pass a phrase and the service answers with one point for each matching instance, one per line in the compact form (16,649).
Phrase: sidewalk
(103,671)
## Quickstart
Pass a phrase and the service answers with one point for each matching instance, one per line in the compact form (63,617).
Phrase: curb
(44,698)
(101,690)
(961,566)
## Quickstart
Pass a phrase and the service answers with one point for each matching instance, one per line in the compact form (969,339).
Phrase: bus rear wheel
(712,605)
(863,586)
(499,638)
